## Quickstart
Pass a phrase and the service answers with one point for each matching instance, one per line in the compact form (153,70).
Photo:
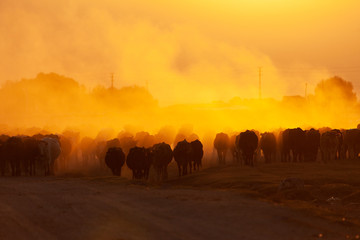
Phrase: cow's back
(53,148)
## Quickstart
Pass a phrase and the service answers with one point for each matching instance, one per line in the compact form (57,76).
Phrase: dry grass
(339,180)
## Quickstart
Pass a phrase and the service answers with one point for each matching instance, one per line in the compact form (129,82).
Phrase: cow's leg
(184,169)
(219,156)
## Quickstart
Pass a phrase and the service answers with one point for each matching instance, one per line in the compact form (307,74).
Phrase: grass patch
(340,181)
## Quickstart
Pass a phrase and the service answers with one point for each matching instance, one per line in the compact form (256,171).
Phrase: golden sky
(186,51)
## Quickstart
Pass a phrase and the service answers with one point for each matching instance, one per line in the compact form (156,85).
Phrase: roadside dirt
(117,208)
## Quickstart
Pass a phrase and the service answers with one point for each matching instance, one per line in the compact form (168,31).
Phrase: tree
(335,90)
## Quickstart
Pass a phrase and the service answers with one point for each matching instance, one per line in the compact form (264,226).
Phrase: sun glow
(194,62)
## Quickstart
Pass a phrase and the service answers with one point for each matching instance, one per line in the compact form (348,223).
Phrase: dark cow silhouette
(3,159)
(268,146)
(221,144)
(182,156)
(13,153)
(197,154)
(351,143)
(50,151)
(139,161)
(115,159)
(297,140)
(293,140)
(340,138)
(66,148)
(235,152)
(102,147)
(284,145)
(32,155)
(87,147)
(329,143)
(248,143)
(312,144)
(161,156)
(148,162)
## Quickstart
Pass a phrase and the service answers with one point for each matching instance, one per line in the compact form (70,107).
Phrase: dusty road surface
(114,208)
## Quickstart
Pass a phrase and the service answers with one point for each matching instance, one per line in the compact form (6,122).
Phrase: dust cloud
(181,69)
(54,103)
(182,52)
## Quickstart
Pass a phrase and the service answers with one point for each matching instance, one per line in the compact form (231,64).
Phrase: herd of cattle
(24,155)
(293,145)
(188,155)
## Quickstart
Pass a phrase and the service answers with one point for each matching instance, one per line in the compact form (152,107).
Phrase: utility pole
(259,82)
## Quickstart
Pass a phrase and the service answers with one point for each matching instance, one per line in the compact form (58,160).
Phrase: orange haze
(195,64)
(55,103)
(184,51)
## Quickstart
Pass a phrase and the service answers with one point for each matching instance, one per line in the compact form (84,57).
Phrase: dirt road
(113,208)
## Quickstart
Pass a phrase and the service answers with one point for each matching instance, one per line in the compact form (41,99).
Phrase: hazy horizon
(184,52)
(55,103)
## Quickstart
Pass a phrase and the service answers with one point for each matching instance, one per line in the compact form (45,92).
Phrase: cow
(351,143)
(312,144)
(139,161)
(102,147)
(148,162)
(13,153)
(284,145)
(50,151)
(87,147)
(329,143)
(32,154)
(297,140)
(248,143)
(3,159)
(221,144)
(161,156)
(268,146)
(66,148)
(340,137)
(115,159)
(235,152)
(293,140)
(197,154)
(182,156)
